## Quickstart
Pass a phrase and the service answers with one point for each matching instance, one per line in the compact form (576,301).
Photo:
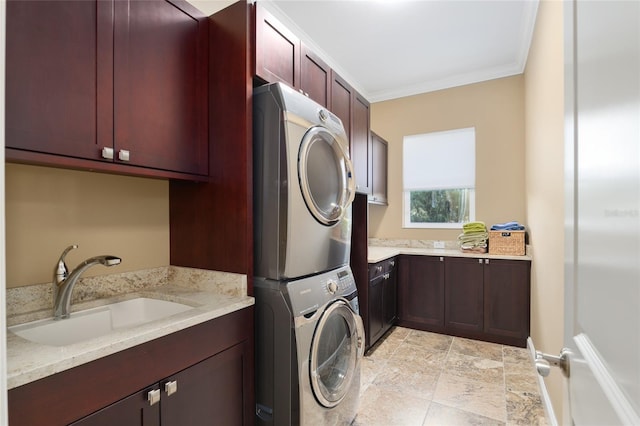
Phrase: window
(439,176)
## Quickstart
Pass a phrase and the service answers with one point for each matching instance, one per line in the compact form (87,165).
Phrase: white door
(602,322)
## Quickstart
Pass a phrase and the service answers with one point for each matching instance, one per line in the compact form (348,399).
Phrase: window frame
(406,193)
(406,214)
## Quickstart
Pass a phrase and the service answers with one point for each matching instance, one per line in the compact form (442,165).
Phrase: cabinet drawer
(380,268)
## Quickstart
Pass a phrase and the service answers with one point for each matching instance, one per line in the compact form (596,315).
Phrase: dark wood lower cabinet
(210,390)
(421,292)
(211,365)
(507,308)
(382,311)
(477,298)
(464,284)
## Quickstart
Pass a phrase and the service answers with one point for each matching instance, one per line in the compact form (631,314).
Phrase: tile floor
(418,378)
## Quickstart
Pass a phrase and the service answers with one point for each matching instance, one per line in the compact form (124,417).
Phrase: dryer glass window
(324,171)
(334,354)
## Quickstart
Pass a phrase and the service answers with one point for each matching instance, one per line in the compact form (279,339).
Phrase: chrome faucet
(63,281)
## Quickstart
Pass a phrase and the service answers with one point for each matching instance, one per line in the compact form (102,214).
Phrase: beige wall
(544,105)
(48,209)
(496,109)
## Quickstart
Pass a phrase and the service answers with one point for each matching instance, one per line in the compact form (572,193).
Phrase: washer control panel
(308,294)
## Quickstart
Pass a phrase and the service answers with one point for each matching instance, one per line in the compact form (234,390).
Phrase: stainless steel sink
(95,322)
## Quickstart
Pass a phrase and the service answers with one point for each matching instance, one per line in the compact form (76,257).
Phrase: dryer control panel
(308,294)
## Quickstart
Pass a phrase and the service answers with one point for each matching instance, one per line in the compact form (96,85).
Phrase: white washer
(308,351)
(303,185)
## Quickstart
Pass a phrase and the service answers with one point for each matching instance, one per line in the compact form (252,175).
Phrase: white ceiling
(393,48)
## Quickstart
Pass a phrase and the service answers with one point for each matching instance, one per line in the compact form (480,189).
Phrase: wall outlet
(438,244)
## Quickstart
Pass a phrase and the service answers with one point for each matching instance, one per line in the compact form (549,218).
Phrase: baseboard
(546,400)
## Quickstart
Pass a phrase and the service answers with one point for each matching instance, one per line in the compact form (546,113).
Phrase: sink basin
(95,322)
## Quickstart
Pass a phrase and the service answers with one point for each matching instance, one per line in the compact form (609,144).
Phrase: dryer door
(336,350)
(326,175)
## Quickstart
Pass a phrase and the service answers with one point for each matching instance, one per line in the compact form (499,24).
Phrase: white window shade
(440,160)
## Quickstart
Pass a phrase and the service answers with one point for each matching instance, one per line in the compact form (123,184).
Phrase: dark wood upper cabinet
(315,77)
(55,91)
(276,50)
(341,95)
(119,83)
(379,161)
(360,143)
(160,85)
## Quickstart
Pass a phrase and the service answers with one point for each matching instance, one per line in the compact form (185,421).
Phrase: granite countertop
(379,253)
(28,361)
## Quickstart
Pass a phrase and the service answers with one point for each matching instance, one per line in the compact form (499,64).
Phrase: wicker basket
(507,242)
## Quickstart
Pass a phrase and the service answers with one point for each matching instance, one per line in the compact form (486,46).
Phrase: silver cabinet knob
(480,261)
(153,396)
(123,155)
(171,387)
(486,261)
(441,258)
(107,153)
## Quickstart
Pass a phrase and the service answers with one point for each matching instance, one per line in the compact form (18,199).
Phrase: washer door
(336,349)
(326,176)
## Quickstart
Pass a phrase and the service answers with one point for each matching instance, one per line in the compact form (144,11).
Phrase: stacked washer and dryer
(309,334)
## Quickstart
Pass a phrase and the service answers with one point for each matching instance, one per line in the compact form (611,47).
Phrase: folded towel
(475,236)
(474,227)
(508,226)
(474,250)
(473,245)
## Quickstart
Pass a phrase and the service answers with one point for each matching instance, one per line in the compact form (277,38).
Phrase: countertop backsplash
(29,303)
(388,242)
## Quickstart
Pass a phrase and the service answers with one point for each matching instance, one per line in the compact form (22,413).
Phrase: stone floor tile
(471,367)
(441,415)
(515,355)
(379,407)
(425,339)
(413,379)
(484,398)
(525,408)
(477,348)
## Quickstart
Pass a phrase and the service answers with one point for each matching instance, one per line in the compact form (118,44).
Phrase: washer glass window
(334,354)
(324,172)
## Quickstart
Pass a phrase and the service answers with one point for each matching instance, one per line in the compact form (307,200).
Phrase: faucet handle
(61,271)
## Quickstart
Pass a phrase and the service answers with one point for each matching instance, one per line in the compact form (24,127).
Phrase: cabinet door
(160,83)
(376,320)
(378,170)
(277,50)
(361,144)
(59,81)
(211,392)
(390,296)
(131,411)
(341,98)
(464,294)
(315,77)
(506,298)
(421,292)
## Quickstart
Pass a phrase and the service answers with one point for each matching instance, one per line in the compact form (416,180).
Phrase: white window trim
(406,214)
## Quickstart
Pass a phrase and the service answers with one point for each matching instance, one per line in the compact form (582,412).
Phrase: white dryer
(303,185)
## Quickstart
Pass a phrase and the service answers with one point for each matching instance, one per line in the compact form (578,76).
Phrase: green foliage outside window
(440,206)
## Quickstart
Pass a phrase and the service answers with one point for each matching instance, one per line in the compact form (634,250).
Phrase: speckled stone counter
(381,249)
(212,294)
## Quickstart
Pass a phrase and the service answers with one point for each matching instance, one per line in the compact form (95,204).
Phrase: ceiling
(394,48)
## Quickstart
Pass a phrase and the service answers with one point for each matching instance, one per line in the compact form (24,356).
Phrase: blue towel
(509,226)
